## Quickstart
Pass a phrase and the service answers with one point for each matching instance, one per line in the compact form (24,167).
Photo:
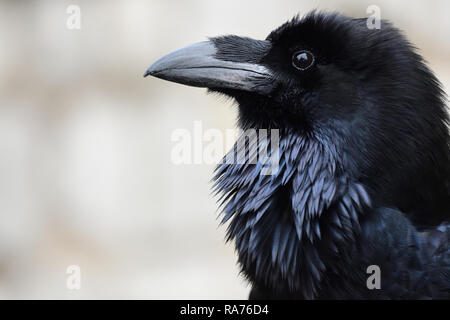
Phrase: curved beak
(204,65)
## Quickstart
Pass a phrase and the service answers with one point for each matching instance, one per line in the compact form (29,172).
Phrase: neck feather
(290,225)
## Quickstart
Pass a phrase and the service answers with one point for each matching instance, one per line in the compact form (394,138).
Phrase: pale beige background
(85,170)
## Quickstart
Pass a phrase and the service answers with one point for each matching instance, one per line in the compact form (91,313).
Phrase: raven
(364,159)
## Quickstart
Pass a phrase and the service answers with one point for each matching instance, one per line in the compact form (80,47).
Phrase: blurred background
(86,176)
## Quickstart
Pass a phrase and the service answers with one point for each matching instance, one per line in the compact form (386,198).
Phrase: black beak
(204,65)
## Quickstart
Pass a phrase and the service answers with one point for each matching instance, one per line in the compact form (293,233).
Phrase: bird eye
(302,60)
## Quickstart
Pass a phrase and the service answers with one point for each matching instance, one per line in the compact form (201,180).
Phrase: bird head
(319,71)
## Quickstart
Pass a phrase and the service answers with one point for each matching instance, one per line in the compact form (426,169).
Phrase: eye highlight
(302,60)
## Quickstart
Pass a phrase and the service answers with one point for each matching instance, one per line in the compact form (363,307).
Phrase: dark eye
(302,60)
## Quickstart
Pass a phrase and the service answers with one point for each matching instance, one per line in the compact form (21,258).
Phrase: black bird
(363,154)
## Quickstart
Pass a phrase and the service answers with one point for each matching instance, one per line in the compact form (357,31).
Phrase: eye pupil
(302,60)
